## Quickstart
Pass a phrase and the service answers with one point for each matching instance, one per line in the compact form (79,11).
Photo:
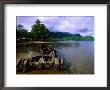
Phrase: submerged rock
(47,60)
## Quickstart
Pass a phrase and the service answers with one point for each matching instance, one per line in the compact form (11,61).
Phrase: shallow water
(78,55)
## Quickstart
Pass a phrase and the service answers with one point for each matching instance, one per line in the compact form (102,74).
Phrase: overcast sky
(83,25)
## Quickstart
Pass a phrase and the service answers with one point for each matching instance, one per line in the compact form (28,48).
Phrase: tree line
(39,32)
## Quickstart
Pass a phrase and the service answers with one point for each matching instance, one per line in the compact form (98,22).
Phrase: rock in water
(48,60)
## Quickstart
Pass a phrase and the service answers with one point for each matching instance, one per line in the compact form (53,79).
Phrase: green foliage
(58,36)
(21,33)
(39,31)
(19,29)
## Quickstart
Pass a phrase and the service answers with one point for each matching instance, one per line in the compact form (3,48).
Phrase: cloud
(42,18)
(83,25)
(65,26)
(83,30)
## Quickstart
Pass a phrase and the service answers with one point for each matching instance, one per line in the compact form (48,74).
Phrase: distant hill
(60,34)
(68,36)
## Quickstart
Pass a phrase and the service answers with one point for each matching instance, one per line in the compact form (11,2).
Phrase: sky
(83,25)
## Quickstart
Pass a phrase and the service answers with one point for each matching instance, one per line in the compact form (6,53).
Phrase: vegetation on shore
(40,32)
(46,62)
(62,36)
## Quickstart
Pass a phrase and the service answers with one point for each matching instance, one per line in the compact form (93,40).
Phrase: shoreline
(38,42)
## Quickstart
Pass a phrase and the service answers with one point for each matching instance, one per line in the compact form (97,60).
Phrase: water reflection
(65,44)
(78,55)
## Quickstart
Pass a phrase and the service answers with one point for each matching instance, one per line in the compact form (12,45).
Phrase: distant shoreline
(44,42)
(39,42)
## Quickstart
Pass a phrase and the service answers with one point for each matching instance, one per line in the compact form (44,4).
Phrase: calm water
(78,55)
